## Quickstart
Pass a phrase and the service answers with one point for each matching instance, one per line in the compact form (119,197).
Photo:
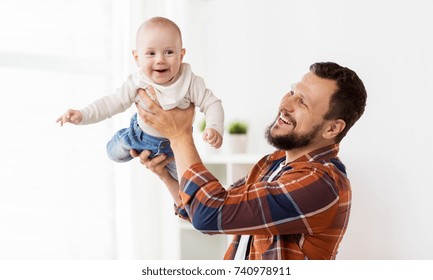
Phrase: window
(56,187)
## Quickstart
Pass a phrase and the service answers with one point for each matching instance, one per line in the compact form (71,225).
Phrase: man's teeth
(284,119)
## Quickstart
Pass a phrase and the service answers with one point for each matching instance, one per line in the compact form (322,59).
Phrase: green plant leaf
(238,127)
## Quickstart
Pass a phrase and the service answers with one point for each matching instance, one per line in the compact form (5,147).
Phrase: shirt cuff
(181,212)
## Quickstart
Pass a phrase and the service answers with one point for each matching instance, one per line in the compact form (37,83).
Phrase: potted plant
(238,127)
(237,138)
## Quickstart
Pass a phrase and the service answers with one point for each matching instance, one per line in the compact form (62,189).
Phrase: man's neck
(292,155)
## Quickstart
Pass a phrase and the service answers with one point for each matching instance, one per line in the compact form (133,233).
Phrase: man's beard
(291,141)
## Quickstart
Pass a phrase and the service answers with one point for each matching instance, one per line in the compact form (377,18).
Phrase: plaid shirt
(301,214)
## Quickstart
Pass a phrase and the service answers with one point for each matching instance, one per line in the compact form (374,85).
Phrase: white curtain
(60,197)
(145,225)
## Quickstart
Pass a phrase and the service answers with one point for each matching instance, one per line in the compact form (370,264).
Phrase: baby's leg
(119,146)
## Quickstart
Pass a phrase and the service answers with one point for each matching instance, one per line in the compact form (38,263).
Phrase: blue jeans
(134,138)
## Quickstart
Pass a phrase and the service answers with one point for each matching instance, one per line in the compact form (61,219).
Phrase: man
(294,203)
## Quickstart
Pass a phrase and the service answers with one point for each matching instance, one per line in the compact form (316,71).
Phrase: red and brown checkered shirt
(301,214)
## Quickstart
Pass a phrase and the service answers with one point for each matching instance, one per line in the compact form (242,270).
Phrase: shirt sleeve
(304,200)
(110,105)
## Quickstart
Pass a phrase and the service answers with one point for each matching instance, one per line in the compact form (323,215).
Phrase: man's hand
(157,164)
(172,123)
(176,125)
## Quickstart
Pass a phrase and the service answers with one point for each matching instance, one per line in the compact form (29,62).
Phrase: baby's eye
(169,52)
(150,53)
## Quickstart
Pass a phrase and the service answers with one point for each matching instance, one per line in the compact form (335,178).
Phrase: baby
(158,55)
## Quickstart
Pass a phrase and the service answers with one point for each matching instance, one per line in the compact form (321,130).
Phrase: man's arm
(304,200)
(158,166)
(174,124)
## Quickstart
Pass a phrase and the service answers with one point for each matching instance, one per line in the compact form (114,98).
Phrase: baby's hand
(71,116)
(211,136)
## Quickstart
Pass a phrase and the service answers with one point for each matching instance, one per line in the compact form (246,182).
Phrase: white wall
(254,50)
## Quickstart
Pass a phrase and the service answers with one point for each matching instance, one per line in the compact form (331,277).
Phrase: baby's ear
(135,55)
(182,54)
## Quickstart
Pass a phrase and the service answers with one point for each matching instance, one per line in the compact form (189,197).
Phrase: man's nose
(288,103)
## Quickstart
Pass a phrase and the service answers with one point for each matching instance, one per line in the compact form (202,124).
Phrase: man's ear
(334,128)
(135,55)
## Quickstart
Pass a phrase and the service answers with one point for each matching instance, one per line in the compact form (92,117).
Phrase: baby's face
(159,53)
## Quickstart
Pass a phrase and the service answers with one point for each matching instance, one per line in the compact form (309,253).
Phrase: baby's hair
(160,21)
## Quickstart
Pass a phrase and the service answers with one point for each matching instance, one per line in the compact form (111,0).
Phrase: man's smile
(284,120)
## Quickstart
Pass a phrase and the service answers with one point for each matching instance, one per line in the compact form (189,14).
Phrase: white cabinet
(181,240)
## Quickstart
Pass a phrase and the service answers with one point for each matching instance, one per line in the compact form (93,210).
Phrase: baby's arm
(102,108)
(212,108)
(71,116)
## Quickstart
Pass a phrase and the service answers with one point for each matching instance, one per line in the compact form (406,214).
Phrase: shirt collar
(326,152)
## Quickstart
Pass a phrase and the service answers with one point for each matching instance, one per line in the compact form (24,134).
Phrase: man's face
(300,121)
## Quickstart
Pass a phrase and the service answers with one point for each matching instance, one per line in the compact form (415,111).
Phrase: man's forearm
(172,186)
(185,153)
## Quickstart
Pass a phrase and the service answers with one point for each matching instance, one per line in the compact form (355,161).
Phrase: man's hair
(349,100)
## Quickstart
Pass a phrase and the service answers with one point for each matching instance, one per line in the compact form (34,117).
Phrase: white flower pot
(237,143)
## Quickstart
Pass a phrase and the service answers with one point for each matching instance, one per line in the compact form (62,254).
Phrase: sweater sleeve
(110,105)
(208,103)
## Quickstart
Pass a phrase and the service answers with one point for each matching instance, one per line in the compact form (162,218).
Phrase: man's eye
(302,102)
